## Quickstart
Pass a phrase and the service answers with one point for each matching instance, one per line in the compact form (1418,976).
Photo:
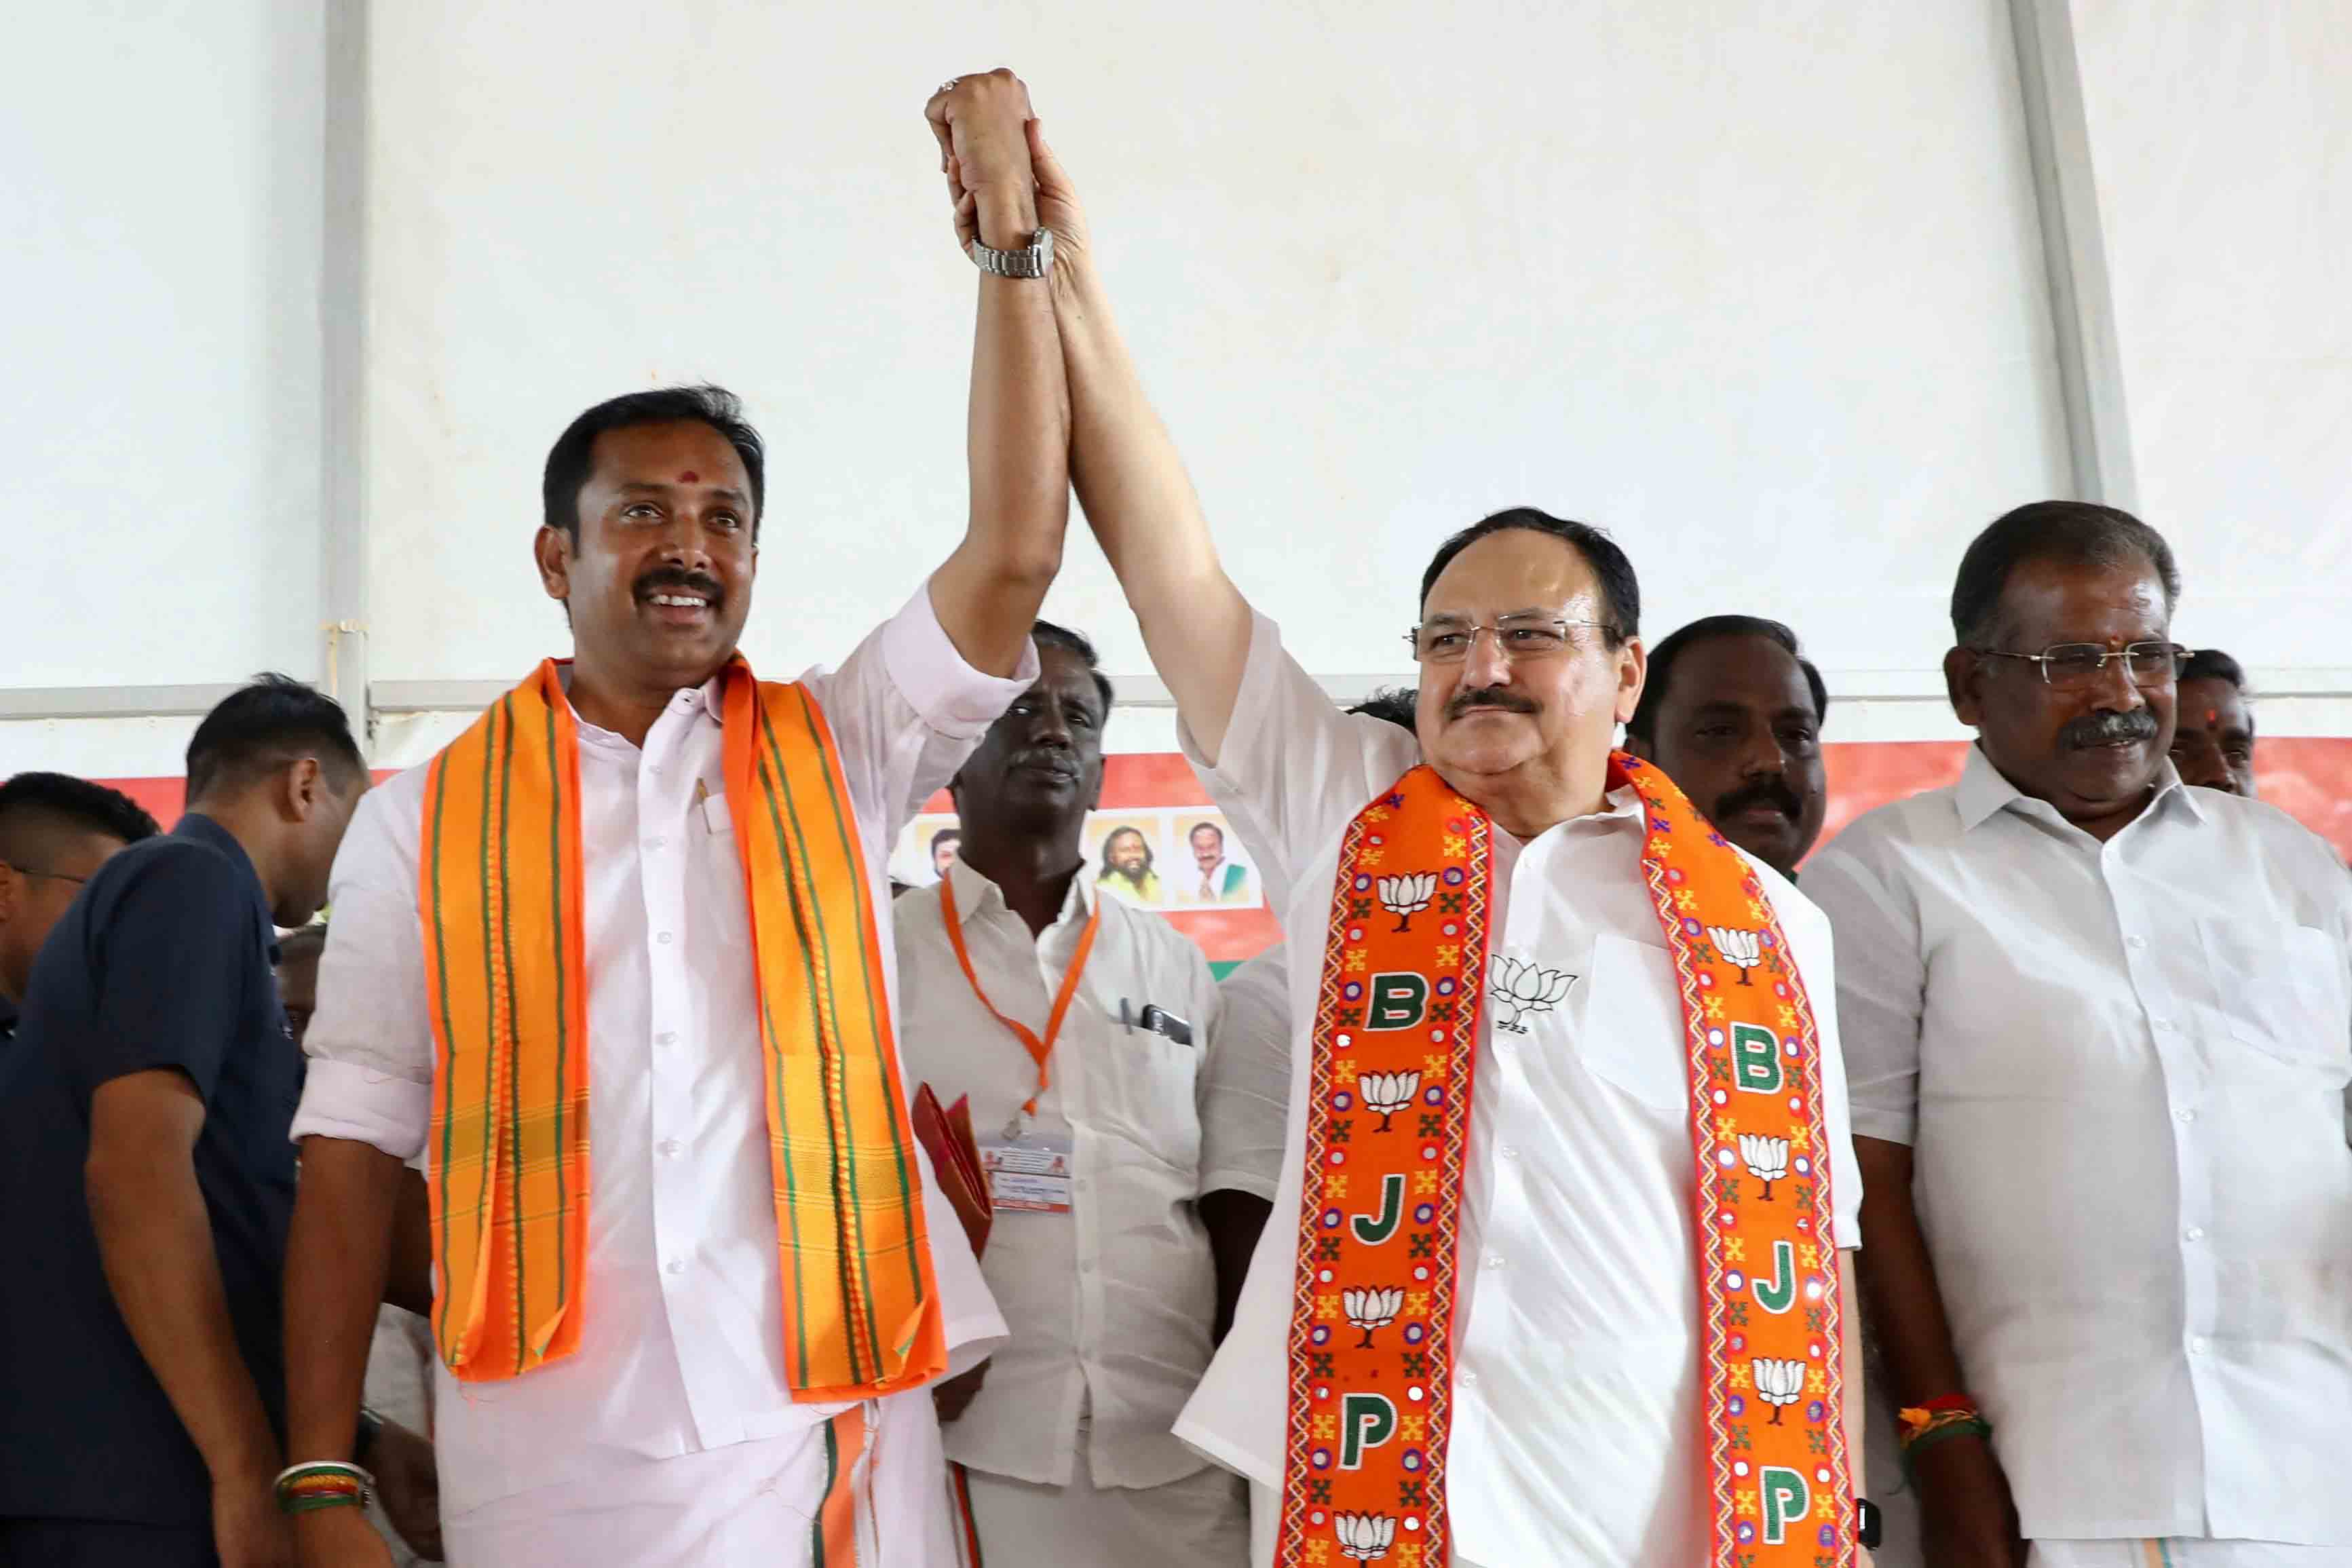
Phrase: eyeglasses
(2071,664)
(34,871)
(1532,635)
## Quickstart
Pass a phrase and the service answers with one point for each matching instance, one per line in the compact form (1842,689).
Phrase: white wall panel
(1758,287)
(159,429)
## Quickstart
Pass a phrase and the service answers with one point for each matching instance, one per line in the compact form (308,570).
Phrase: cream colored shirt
(2121,1068)
(1110,1303)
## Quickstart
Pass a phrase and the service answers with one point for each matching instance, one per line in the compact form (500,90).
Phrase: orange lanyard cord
(1039,1049)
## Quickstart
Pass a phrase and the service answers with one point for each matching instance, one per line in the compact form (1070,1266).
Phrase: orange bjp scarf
(1372,1348)
(500,892)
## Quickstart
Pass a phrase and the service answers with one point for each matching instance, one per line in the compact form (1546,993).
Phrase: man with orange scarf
(618,962)
(1557,1270)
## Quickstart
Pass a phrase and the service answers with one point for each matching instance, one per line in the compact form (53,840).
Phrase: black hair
(275,720)
(1620,592)
(1049,635)
(33,805)
(943,835)
(1643,725)
(2076,533)
(1116,833)
(569,460)
(1210,826)
(1397,704)
(2212,665)
(302,942)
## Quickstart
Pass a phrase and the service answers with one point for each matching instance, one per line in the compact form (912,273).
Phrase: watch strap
(1034,260)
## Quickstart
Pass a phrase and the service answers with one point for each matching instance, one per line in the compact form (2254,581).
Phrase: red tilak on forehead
(2213,715)
(689,477)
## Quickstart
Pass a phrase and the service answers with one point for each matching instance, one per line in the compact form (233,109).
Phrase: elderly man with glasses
(2099,1032)
(1554,1269)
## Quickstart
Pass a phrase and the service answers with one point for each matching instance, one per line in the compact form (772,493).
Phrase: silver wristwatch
(1036,260)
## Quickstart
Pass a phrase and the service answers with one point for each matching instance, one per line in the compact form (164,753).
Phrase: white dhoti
(862,1491)
(2184,1552)
(1200,1521)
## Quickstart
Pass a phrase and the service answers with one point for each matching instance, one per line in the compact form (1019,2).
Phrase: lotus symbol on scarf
(1406,897)
(1778,1383)
(1366,1537)
(1388,1092)
(1743,949)
(1373,1309)
(1768,1158)
(1519,988)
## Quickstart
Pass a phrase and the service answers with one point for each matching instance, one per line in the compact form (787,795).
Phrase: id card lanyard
(1039,1049)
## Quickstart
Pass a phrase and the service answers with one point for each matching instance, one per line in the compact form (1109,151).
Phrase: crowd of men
(1526,1207)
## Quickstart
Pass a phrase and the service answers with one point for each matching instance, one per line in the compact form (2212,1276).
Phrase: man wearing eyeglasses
(1471,1333)
(55,830)
(2100,1038)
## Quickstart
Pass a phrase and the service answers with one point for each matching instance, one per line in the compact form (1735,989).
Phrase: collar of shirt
(978,898)
(195,825)
(692,701)
(1983,790)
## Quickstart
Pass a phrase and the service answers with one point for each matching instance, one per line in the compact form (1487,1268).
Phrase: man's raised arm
(987,593)
(1132,484)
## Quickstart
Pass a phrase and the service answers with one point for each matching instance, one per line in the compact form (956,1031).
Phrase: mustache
(1501,697)
(1044,757)
(1773,792)
(2107,728)
(676,579)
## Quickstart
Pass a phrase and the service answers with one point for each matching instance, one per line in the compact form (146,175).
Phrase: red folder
(946,1135)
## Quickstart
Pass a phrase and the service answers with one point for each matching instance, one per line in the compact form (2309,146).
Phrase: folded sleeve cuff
(1887,1126)
(343,1100)
(1232,1178)
(949,694)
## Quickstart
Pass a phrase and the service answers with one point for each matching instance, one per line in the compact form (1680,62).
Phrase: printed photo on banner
(926,848)
(1212,870)
(1127,852)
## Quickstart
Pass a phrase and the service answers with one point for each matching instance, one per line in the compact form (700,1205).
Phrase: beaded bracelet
(322,1483)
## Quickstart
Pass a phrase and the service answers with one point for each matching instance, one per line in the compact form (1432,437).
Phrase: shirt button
(1507,1152)
(2185,1115)
(2135,941)
(2200,1345)
(1465,1377)
(2195,1233)
(2161,1022)
(670,1145)
(662,939)
(678,1265)
(654,843)
(1494,1259)
(665,1038)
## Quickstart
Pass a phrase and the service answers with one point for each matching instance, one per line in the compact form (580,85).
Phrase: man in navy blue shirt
(55,832)
(145,1169)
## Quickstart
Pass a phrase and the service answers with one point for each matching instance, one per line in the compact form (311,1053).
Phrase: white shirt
(1110,1303)
(1245,1107)
(682,1346)
(1576,1428)
(2121,1068)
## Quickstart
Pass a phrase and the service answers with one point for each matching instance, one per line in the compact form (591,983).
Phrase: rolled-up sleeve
(906,709)
(371,1040)
(1245,1090)
(1882,978)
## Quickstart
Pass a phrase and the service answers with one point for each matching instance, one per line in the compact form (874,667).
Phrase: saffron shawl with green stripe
(500,893)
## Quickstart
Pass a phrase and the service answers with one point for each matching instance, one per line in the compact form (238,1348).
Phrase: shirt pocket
(1632,1034)
(2279,990)
(1145,1096)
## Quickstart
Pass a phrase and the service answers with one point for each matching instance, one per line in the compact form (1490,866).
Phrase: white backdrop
(1758,293)
(1758,287)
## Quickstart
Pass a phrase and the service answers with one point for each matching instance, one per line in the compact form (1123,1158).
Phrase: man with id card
(1083,1030)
